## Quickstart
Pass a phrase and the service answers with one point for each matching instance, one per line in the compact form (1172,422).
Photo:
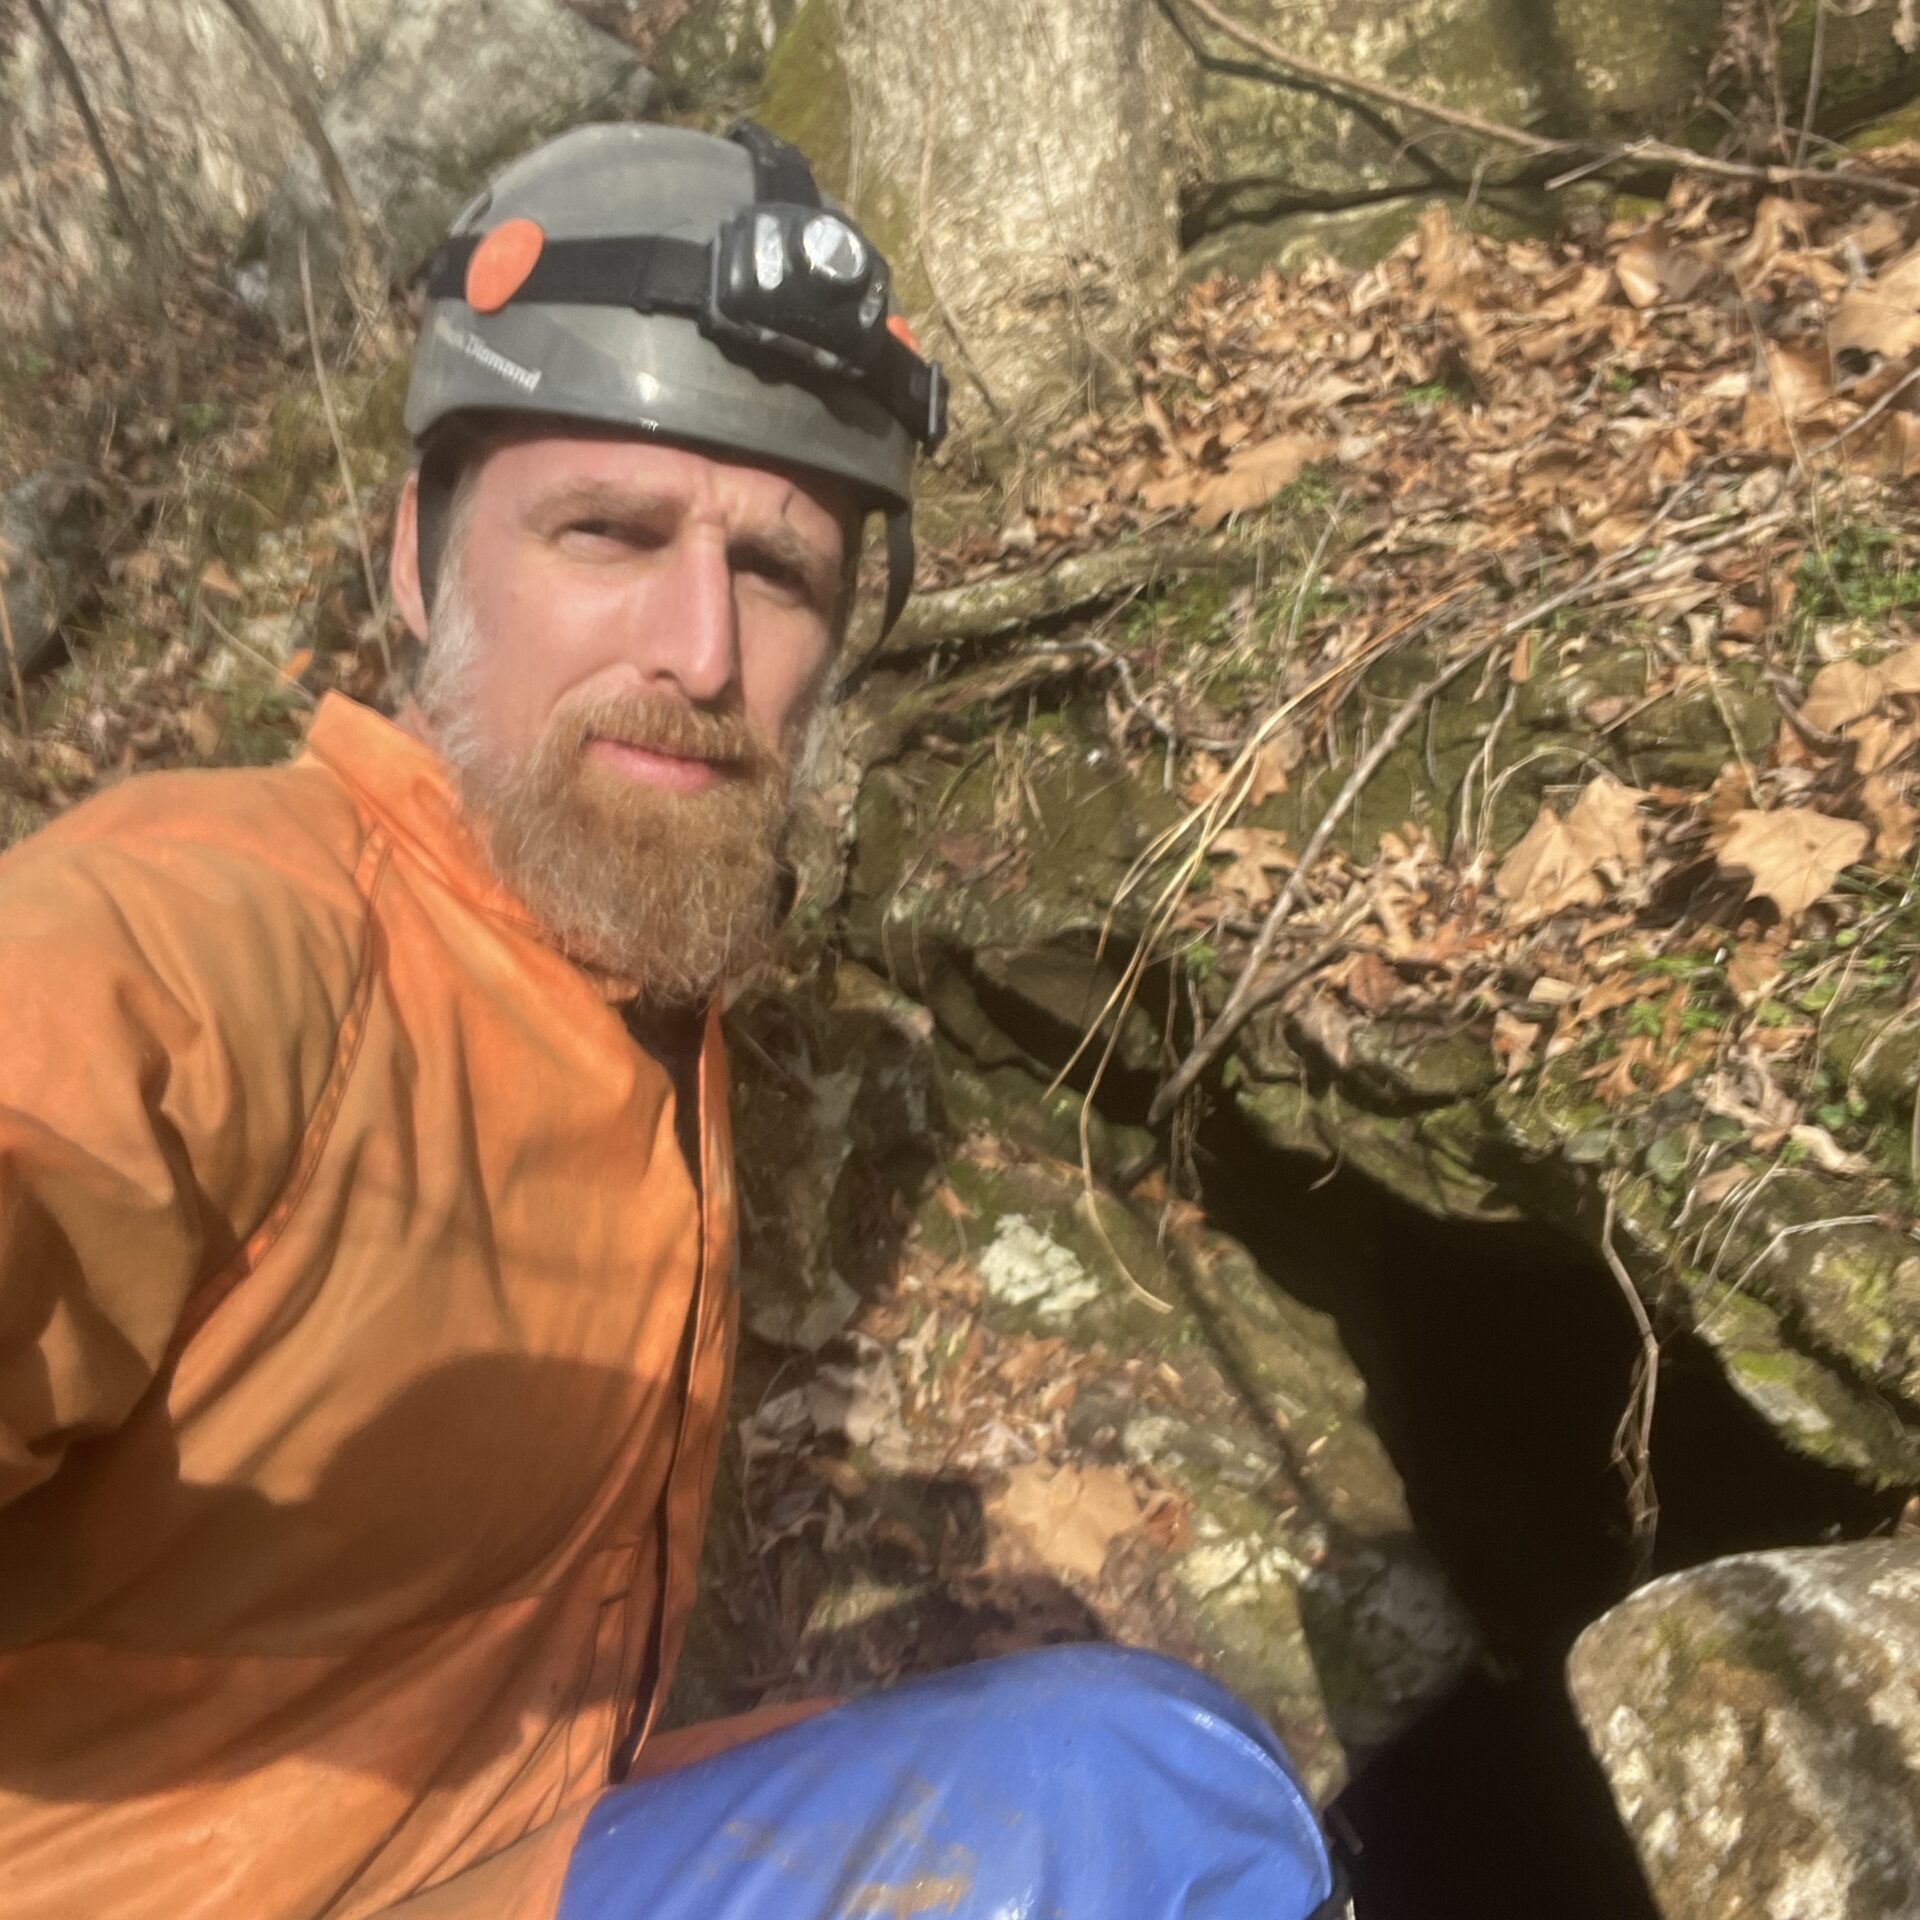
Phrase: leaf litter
(1696,432)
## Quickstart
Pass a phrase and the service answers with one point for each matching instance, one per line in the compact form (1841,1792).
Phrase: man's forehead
(554,462)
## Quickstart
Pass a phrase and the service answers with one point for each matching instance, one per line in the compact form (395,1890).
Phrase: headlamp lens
(833,250)
(769,252)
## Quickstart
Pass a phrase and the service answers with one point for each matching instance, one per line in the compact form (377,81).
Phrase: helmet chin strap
(433,508)
(439,476)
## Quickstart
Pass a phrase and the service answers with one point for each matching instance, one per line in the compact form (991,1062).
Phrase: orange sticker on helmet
(501,263)
(897,326)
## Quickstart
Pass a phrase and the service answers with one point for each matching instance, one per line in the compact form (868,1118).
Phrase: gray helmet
(682,285)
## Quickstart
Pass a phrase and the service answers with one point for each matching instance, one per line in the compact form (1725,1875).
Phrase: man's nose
(691,636)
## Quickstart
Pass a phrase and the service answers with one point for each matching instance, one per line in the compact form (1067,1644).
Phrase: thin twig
(1633,1437)
(1638,153)
(1879,407)
(76,86)
(376,605)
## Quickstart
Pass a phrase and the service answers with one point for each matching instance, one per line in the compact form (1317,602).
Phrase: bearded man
(366,1202)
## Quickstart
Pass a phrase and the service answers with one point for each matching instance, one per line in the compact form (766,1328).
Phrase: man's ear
(403,562)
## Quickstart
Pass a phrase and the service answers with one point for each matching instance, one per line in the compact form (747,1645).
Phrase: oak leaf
(1883,315)
(1070,1518)
(1793,854)
(1605,823)
(1547,871)
(1253,856)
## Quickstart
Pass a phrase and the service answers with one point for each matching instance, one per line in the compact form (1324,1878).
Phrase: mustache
(671,727)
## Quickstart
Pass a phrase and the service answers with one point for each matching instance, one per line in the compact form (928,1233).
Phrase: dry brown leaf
(1277,757)
(1069,1518)
(1901,670)
(1799,380)
(1253,856)
(1883,315)
(1842,693)
(1894,820)
(1879,740)
(1547,872)
(1793,854)
(1605,823)
(1251,477)
(1370,983)
(216,578)
(1514,1041)
(1755,967)
(1653,271)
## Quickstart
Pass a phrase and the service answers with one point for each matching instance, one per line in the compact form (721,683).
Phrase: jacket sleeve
(165,1024)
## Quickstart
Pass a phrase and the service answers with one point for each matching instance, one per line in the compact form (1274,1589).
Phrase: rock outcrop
(45,522)
(1759,1722)
(983,1405)
(450,90)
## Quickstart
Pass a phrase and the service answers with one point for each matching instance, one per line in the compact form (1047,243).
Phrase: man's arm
(167,1016)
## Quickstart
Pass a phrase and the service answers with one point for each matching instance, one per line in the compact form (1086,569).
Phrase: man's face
(625,654)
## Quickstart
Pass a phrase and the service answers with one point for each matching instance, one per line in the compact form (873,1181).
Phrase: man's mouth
(673,772)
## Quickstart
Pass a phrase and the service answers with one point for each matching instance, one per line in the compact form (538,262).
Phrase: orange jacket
(363,1350)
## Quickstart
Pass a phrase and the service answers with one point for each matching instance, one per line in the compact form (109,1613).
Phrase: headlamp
(801,282)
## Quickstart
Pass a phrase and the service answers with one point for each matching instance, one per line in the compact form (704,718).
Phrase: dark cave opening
(1498,1360)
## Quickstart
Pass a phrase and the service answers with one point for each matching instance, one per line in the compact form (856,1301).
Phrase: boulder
(450,91)
(1758,1719)
(45,527)
(1012,163)
(711,63)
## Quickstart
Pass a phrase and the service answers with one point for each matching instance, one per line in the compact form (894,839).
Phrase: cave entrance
(1497,1362)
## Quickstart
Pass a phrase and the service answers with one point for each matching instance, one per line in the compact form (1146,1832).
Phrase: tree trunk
(1011,157)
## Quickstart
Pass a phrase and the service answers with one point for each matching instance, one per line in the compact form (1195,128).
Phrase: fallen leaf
(1894,820)
(1514,1041)
(1547,871)
(1881,316)
(216,578)
(1653,271)
(1879,740)
(1755,967)
(1842,693)
(1251,477)
(1277,757)
(1370,983)
(1070,1517)
(1721,1184)
(1901,670)
(1793,854)
(1605,823)
(1253,856)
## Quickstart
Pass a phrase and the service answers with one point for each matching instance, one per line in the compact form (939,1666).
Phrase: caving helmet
(681,285)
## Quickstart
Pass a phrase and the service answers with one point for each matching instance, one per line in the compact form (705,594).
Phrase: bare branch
(76,86)
(1643,153)
(304,100)
(149,169)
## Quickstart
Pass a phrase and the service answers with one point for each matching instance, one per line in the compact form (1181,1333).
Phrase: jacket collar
(410,789)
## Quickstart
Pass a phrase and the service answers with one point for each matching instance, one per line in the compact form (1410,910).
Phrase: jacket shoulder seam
(369,870)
